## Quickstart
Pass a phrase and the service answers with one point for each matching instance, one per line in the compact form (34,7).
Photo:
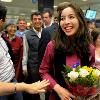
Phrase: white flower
(73,75)
(97,72)
(83,72)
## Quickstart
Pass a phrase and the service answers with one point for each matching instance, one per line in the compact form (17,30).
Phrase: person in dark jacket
(30,56)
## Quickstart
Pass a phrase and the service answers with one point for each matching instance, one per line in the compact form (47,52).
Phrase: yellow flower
(83,75)
(96,73)
(89,69)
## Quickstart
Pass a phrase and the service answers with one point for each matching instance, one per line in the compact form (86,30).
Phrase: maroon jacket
(47,67)
(16,45)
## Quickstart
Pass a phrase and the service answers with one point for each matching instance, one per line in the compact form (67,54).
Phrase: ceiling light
(6,0)
(22,14)
(84,0)
(33,10)
(55,6)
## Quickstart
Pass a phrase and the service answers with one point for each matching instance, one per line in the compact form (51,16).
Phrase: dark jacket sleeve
(47,35)
(45,38)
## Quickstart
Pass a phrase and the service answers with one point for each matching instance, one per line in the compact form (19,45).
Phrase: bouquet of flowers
(82,80)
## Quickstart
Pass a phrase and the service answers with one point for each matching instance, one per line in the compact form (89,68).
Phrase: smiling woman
(15,46)
(70,46)
(69,22)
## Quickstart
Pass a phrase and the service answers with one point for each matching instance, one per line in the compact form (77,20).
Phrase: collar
(11,38)
(37,31)
(48,25)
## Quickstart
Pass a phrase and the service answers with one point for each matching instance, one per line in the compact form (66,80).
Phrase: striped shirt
(7,71)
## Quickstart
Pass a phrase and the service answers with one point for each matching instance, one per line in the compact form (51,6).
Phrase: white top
(7,71)
(38,33)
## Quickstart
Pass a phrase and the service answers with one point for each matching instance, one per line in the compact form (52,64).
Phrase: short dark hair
(35,13)
(47,10)
(3,11)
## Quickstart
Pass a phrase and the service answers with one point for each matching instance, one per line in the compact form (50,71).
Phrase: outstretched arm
(9,88)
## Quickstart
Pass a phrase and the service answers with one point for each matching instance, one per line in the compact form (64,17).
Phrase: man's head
(22,24)
(56,20)
(36,19)
(3,11)
(47,16)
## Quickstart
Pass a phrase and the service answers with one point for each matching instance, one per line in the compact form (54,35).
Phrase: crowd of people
(32,59)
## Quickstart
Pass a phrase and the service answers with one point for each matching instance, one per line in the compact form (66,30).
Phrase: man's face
(22,25)
(46,19)
(1,24)
(37,21)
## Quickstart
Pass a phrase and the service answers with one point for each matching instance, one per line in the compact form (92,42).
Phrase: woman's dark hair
(79,42)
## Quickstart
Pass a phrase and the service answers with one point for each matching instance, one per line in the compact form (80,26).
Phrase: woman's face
(11,29)
(69,21)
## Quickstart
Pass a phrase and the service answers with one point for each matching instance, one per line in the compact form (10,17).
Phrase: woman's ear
(1,24)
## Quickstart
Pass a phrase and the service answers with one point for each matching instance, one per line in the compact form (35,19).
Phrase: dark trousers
(47,94)
(33,76)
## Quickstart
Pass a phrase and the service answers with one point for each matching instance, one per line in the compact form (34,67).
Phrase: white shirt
(48,25)
(38,33)
(7,71)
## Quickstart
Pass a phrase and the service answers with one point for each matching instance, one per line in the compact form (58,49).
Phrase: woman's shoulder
(92,50)
(92,47)
(51,44)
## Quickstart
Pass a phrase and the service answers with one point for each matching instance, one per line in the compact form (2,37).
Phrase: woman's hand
(63,93)
(36,87)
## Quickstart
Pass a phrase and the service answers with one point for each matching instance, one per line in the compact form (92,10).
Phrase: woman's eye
(71,17)
(62,18)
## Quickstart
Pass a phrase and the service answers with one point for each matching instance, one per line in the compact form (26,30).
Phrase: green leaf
(67,69)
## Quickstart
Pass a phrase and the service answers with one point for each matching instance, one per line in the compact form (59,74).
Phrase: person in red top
(15,46)
(96,40)
(71,46)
